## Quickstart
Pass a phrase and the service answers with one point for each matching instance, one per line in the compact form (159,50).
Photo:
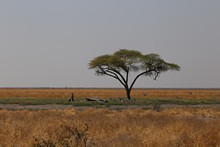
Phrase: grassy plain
(108,93)
(197,127)
(140,96)
(188,126)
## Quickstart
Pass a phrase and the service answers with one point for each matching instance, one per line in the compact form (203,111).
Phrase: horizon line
(213,88)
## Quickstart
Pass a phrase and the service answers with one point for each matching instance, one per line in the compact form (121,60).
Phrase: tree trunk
(128,92)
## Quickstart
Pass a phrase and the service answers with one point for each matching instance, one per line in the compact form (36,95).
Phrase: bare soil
(114,107)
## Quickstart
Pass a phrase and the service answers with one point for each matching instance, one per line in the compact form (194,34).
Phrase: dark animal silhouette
(71,99)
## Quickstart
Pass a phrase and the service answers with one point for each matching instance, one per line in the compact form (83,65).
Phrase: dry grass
(103,127)
(110,93)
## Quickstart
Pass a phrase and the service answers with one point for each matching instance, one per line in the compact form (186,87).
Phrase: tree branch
(119,74)
(156,75)
(105,72)
(135,79)
(113,73)
(127,74)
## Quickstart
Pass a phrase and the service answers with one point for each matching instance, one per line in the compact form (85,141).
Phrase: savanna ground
(108,93)
(142,126)
(114,96)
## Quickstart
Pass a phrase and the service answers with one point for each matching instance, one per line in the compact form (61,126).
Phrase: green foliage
(99,61)
(121,60)
(128,53)
(155,65)
(111,101)
(131,60)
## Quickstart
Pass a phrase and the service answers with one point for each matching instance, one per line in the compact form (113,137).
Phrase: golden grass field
(186,126)
(110,93)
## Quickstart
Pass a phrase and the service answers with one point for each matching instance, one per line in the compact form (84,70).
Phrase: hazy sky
(49,43)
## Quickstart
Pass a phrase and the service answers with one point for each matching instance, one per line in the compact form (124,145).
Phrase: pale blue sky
(49,43)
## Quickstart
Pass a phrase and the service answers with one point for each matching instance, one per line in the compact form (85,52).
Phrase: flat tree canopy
(121,63)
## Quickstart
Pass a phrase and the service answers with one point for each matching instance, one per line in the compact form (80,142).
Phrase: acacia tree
(120,64)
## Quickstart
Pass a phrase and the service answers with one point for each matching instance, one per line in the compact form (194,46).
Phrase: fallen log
(101,100)
(96,99)
(91,99)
